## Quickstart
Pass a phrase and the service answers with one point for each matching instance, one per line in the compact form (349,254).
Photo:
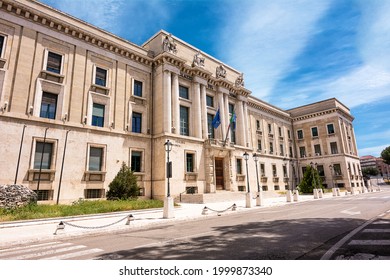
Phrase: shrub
(310,179)
(124,185)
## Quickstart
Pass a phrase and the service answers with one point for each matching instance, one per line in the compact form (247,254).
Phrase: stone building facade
(77,101)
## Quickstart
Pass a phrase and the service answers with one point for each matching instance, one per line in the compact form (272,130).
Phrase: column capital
(200,80)
(222,90)
(171,68)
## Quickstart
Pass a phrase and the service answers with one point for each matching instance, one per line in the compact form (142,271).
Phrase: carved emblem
(240,80)
(198,60)
(169,44)
(220,72)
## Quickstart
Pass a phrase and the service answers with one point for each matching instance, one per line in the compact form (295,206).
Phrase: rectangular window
(136,124)
(281,147)
(285,175)
(291,152)
(262,169)
(314,132)
(289,134)
(48,105)
(95,159)
(269,128)
(239,166)
(98,114)
(94,193)
(190,162)
(280,131)
(101,77)
(337,169)
(302,152)
(183,92)
(44,155)
(136,159)
(184,118)
(274,171)
(330,128)
(317,149)
(209,101)
(137,88)
(258,127)
(259,145)
(54,62)
(271,148)
(210,126)
(320,169)
(2,41)
(333,148)
(300,134)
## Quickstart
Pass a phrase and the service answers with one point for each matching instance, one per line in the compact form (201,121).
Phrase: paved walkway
(12,233)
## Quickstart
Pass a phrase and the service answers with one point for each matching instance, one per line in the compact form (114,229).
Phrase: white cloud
(263,37)
(372,151)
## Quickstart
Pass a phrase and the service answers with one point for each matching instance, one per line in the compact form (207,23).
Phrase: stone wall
(12,196)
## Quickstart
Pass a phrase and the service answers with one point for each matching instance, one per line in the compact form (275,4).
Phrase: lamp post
(259,197)
(314,181)
(168,202)
(248,194)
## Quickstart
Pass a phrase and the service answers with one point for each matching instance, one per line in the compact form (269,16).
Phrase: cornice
(323,113)
(75,32)
(268,111)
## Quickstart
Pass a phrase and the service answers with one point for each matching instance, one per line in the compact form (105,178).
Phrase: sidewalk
(13,233)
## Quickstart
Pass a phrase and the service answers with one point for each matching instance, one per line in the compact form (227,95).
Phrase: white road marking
(32,248)
(381,222)
(351,213)
(28,246)
(50,252)
(73,255)
(370,242)
(377,230)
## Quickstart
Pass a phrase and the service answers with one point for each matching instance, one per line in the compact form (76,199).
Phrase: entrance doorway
(220,185)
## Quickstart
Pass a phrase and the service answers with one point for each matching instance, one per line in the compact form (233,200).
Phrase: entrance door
(219,174)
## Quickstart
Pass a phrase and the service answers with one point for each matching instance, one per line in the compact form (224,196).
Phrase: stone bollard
(259,198)
(129,219)
(352,190)
(334,192)
(296,195)
(320,193)
(315,193)
(289,196)
(205,211)
(338,191)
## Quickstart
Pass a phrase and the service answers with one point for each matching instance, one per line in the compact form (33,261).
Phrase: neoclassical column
(221,105)
(197,113)
(246,123)
(204,111)
(175,103)
(240,127)
(167,102)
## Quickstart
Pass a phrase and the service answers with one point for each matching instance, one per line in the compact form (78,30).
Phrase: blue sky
(292,52)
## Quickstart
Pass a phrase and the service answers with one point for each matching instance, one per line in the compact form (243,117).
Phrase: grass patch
(82,207)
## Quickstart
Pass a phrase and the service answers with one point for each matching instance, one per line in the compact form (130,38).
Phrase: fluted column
(197,113)
(246,123)
(175,103)
(204,111)
(167,102)
(227,117)
(240,123)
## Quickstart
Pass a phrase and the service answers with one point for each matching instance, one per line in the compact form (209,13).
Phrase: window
(269,128)
(274,171)
(271,148)
(317,149)
(101,77)
(189,162)
(320,169)
(94,193)
(302,152)
(183,92)
(300,134)
(337,169)
(210,126)
(44,153)
(95,159)
(239,166)
(285,175)
(314,131)
(137,88)
(232,127)
(98,114)
(136,125)
(48,105)
(258,127)
(136,160)
(54,62)
(209,101)
(259,145)
(43,194)
(330,128)
(184,118)
(281,147)
(291,152)
(2,43)
(280,131)
(333,148)
(289,134)
(262,169)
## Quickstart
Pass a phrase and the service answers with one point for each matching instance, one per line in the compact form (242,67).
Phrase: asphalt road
(323,229)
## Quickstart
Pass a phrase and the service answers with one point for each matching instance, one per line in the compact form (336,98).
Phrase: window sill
(100,89)
(191,176)
(46,175)
(138,100)
(95,176)
(53,77)
(240,178)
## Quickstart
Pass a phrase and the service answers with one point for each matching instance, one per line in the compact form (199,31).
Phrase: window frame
(187,92)
(184,122)
(141,163)
(51,157)
(314,129)
(333,128)
(300,134)
(2,45)
(190,166)
(239,169)
(335,148)
(103,148)
(316,150)
(211,99)
(136,120)
(92,115)
(61,62)
(45,95)
(138,88)
(96,79)
(210,128)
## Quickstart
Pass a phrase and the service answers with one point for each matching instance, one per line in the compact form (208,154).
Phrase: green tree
(124,185)
(385,155)
(310,179)
(370,171)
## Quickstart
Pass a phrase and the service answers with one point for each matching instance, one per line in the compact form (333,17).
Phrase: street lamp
(259,194)
(248,194)
(168,201)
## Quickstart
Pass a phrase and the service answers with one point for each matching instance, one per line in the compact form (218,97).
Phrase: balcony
(53,77)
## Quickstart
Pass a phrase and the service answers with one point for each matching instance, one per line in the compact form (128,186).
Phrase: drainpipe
(40,166)
(62,167)
(20,152)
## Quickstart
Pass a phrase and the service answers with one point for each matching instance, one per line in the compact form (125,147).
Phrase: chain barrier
(62,224)
(205,209)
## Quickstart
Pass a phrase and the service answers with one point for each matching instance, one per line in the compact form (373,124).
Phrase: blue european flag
(217,120)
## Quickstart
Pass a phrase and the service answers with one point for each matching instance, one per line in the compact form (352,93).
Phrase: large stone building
(77,101)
